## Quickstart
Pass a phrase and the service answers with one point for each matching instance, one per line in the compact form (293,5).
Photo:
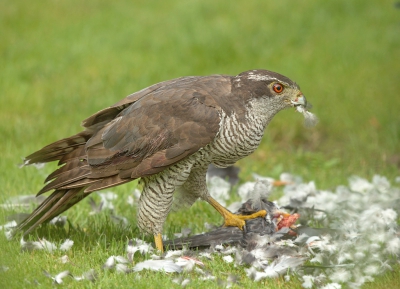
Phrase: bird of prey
(166,135)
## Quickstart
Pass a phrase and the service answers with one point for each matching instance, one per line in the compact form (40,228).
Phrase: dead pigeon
(232,236)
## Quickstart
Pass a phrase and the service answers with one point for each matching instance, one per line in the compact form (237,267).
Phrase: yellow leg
(159,243)
(233,220)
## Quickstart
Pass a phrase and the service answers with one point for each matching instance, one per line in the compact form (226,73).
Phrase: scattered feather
(122,268)
(96,208)
(4,268)
(66,245)
(42,244)
(134,197)
(64,259)
(107,199)
(277,267)
(9,229)
(106,202)
(137,245)
(332,286)
(206,255)
(121,259)
(340,276)
(370,270)
(359,239)
(167,266)
(173,253)
(229,282)
(184,233)
(310,119)
(118,263)
(308,281)
(196,261)
(393,246)
(130,201)
(205,274)
(90,275)
(120,220)
(9,225)
(227,259)
(365,232)
(59,221)
(185,282)
(187,264)
(181,281)
(261,190)
(57,279)
(9,234)
(110,263)
(219,189)
(245,190)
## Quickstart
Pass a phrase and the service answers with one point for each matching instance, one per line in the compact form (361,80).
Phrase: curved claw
(233,220)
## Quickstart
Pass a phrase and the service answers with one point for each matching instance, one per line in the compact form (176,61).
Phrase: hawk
(166,135)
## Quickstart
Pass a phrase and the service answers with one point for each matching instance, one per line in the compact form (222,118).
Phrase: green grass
(63,60)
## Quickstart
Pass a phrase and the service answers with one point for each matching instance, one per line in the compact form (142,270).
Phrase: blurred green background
(61,61)
(64,60)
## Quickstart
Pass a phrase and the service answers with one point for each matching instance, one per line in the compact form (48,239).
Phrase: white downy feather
(167,266)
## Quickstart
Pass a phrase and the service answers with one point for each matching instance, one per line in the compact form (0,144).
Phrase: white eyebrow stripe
(258,77)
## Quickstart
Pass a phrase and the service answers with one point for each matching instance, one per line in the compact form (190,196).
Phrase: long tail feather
(58,202)
(66,178)
(58,149)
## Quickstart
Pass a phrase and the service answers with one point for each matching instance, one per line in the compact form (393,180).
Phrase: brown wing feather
(105,183)
(109,113)
(58,149)
(77,153)
(70,165)
(138,136)
(79,184)
(158,130)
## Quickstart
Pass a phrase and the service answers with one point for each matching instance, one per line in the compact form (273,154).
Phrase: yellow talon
(233,220)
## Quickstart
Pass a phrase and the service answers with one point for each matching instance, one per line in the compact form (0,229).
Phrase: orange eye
(278,88)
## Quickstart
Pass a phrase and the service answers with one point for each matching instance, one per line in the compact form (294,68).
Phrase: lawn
(62,61)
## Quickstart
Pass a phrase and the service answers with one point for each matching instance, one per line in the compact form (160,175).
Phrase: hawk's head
(274,91)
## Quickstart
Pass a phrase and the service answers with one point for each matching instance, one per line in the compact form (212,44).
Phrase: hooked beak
(301,100)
